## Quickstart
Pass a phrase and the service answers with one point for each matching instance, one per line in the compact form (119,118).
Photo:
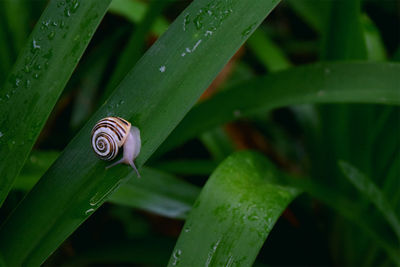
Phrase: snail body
(112,133)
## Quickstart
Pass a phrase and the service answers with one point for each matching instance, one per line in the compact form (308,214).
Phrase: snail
(111,133)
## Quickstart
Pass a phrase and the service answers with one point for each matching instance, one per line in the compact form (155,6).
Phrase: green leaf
(233,215)
(314,12)
(88,78)
(16,12)
(217,143)
(392,183)
(270,55)
(53,50)
(373,40)
(36,165)
(155,96)
(349,209)
(134,11)
(157,192)
(6,52)
(135,46)
(344,35)
(373,193)
(318,83)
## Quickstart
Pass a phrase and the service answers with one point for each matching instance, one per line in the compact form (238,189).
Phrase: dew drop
(208,33)
(196,45)
(212,252)
(89,211)
(60,3)
(75,6)
(51,35)
(27,69)
(248,30)
(229,262)
(67,12)
(253,218)
(198,22)
(176,256)
(35,46)
(188,228)
(186,22)
(17,82)
(99,197)
(46,23)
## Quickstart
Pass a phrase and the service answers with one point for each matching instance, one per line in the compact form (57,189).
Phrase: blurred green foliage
(315,91)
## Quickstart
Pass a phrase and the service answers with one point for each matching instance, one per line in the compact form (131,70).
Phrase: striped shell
(108,135)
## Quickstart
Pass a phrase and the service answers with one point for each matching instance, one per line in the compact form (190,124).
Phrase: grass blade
(134,11)
(350,210)
(36,165)
(270,55)
(233,215)
(314,12)
(135,46)
(53,50)
(16,14)
(218,144)
(6,52)
(375,47)
(326,83)
(157,192)
(154,96)
(344,36)
(373,193)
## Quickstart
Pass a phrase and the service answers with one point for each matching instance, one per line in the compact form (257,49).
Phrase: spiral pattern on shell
(108,135)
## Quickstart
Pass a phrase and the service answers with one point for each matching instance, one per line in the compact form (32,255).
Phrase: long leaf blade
(374,194)
(319,83)
(350,210)
(233,215)
(38,78)
(134,48)
(156,192)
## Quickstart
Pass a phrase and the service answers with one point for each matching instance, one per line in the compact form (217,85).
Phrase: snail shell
(110,134)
